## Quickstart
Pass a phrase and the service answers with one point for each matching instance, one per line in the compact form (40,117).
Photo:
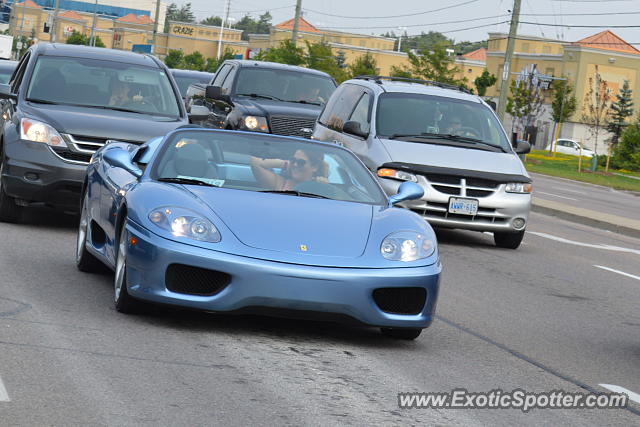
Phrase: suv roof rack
(379,79)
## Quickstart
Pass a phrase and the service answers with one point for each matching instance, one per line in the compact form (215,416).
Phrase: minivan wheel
(9,211)
(402,334)
(508,240)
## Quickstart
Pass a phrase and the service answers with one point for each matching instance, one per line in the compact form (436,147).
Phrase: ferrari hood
(291,224)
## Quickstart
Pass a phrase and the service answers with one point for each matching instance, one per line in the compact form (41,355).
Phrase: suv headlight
(182,222)
(255,123)
(407,246)
(518,187)
(396,174)
(33,130)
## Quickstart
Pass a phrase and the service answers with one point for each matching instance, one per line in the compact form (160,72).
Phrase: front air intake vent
(400,300)
(185,279)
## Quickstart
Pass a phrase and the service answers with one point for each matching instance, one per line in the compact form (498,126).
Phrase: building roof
(29,3)
(476,55)
(607,40)
(135,19)
(303,25)
(70,14)
(144,19)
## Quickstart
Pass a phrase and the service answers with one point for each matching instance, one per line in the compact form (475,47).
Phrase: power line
(392,16)
(419,25)
(581,26)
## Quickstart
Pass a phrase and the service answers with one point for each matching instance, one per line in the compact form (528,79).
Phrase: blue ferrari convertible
(228,221)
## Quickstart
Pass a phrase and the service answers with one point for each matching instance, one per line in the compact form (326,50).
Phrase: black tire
(85,261)
(402,334)
(9,211)
(508,240)
(124,302)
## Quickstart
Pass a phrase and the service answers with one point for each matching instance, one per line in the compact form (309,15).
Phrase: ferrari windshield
(406,114)
(265,164)
(108,85)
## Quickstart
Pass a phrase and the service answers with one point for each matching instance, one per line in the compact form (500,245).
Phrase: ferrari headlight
(396,174)
(256,123)
(407,246)
(518,187)
(184,223)
(33,130)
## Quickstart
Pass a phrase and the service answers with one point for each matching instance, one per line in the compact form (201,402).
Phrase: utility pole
(54,24)
(24,4)
(508,57)
(155,25)
(92,41)
(226,17)
(296,22)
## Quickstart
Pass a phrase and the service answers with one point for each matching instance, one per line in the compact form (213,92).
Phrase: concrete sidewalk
(605,221)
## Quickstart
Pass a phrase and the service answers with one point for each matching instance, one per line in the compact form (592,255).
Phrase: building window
(470,70)
(525,47)
(550,71)
(546,49)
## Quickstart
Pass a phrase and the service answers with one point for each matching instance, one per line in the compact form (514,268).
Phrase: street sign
(19,45)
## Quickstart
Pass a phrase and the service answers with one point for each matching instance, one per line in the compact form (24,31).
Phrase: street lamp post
(400,37)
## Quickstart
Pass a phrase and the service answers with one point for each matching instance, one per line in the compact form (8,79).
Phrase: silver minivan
(442,137)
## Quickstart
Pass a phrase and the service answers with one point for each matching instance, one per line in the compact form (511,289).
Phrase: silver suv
(441,137)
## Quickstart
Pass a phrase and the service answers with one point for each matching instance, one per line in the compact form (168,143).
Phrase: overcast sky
(378,14)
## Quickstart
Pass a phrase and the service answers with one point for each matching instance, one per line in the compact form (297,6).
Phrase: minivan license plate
(463,206)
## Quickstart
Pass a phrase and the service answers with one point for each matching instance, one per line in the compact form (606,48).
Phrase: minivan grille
(292,126)
(455,185)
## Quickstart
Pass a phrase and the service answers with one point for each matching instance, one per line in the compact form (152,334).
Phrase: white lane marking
(617,271)
(586,245)
(4,396)
(570,190)
(554,195)
(617,389)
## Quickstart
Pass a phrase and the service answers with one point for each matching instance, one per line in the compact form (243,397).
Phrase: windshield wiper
(302,101)
(295,193)
(42,101)
(255,95)
(189,181)
(113,107)
(451,137)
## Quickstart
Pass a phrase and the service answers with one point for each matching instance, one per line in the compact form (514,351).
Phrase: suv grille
(462,186)
(185,279)
(81,148)
(292,126)
(400,300)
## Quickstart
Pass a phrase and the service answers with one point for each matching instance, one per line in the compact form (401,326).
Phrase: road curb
(617,224)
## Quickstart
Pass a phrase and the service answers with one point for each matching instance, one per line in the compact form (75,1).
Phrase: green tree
(564,104)
(320,57)
(595,107)
(285,53)
(212,63)
(79,38)
(620,110)
(484,81)
(212,20)
(178,14)
(174,59)
(194,61)
(248,25)
(364,65)
(341,60)
(626,154)
(433,65)
(524,103)
(426,42)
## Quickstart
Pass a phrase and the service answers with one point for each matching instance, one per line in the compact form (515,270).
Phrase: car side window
(340,106)
(16,78)
(362,112)
(219,78)
(228,82)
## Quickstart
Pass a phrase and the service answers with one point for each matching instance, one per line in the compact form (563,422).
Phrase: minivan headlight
(182,222)
(36,131)
(396,174)
(407,246)
(518,187)
(256,123)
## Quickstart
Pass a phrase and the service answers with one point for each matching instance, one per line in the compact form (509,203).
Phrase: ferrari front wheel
(124,302)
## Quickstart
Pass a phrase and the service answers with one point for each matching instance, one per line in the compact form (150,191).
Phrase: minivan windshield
(284,85)
(402,114)
(102,84)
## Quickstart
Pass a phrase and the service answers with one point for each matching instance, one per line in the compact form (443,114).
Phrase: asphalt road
(588,196)
(540,318)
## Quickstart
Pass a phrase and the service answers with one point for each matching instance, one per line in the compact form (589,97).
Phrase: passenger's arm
(261,169)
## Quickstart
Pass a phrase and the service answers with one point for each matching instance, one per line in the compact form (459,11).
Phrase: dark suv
(263,97)
(64,102)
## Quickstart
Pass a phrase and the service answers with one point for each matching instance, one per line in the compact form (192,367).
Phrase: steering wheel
(469,132)
(147,106)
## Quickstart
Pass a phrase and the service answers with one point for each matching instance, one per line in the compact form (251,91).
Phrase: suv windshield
(265,164)
(418,114)
(283,85)
(102,84)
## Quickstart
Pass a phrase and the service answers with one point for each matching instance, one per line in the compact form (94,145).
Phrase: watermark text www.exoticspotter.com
(516,399)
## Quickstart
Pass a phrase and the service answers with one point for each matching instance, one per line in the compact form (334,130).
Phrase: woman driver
(302,167)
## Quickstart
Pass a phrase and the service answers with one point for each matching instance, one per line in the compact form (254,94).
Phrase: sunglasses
(299,163)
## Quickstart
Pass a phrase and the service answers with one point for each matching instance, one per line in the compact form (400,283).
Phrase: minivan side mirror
(407,191)
(352,127)
(198,113)
(522,147)
(117,157)
(5,92)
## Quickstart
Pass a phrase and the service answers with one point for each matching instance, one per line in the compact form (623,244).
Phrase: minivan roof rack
(379,79)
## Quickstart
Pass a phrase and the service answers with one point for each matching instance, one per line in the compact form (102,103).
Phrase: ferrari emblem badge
(303,248)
